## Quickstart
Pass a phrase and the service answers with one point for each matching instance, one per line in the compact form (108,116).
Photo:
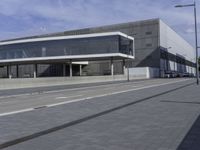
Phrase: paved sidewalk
(150,119)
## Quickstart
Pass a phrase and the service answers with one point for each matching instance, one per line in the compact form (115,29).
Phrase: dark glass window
(25,71)
(148,33)
(82,46)
(148,45)
(46,70)
(126,46)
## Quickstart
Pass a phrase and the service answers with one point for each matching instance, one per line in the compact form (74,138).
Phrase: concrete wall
(144,72)
(146,39)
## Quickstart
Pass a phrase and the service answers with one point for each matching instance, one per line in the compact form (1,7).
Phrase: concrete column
(70,69)
(35,71)
(17,70)
(112,67)
(174,66)
(9,72)
(80,70)
(128,66)
(124,66)
(64,70)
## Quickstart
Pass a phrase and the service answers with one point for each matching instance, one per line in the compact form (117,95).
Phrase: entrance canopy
(88,47)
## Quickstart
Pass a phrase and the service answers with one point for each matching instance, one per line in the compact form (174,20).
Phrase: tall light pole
(196,40)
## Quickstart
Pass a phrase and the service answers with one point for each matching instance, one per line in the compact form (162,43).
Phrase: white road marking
(13,96)
(16,112)
(64,97)
(88,98)
(60,97)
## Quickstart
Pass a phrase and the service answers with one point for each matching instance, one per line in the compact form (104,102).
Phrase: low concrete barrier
(53,81)
(134,73)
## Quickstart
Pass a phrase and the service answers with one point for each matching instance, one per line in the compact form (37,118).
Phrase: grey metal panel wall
(169,38)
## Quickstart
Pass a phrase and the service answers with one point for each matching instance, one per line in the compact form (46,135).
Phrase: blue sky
(20,18)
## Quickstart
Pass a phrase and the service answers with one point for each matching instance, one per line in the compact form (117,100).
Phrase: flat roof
(66,37)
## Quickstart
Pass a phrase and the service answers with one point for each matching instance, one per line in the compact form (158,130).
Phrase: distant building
(99,51)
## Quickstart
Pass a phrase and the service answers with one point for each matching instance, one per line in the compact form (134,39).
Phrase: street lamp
(196,40)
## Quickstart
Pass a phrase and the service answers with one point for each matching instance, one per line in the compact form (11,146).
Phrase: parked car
(170,74)
(186,74)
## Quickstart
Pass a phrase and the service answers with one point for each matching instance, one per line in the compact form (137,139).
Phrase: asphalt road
(22,102)
(140,115)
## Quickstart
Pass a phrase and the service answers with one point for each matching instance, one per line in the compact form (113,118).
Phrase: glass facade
(3,72)
(49,70)
(126,46)
(82,46)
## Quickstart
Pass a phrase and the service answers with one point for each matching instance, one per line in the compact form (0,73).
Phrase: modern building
(63,55)
(99,51)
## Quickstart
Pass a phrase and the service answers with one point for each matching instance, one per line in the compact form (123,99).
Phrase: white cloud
(190,30)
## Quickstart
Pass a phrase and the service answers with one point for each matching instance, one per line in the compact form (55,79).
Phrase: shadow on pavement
(179,102)
(192,138)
